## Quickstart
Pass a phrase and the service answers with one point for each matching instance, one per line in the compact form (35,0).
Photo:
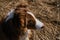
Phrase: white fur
(28,33)
(10,15)
(26,36)
(39,24)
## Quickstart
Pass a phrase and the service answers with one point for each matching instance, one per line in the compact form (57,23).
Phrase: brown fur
(25,21)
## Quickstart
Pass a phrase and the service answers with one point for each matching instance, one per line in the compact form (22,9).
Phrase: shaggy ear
(10,15)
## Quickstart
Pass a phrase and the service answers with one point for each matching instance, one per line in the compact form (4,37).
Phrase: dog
(19,23)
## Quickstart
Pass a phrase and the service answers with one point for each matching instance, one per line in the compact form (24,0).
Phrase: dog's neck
(27,35)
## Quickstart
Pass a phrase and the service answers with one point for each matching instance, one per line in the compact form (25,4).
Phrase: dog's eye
(30,23)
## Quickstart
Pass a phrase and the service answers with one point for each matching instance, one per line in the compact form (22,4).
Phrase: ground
(47,11)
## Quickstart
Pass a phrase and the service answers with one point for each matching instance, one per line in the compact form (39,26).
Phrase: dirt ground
(47,11)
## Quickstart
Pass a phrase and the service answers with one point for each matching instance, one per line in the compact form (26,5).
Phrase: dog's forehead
(28,21)
(27,17)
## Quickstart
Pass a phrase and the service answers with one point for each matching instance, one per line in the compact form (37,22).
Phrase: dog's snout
(42,27)
(39,24)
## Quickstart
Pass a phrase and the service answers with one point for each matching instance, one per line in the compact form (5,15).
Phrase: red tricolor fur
(19,23)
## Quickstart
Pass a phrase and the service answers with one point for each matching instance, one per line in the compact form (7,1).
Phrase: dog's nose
(42,27)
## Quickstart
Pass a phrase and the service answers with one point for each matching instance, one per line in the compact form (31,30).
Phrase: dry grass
(45,10)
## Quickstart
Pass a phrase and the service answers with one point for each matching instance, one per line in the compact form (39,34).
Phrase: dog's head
(27,19)
(23,18)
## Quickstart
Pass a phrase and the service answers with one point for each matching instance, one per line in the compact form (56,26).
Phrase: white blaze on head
(39,24)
